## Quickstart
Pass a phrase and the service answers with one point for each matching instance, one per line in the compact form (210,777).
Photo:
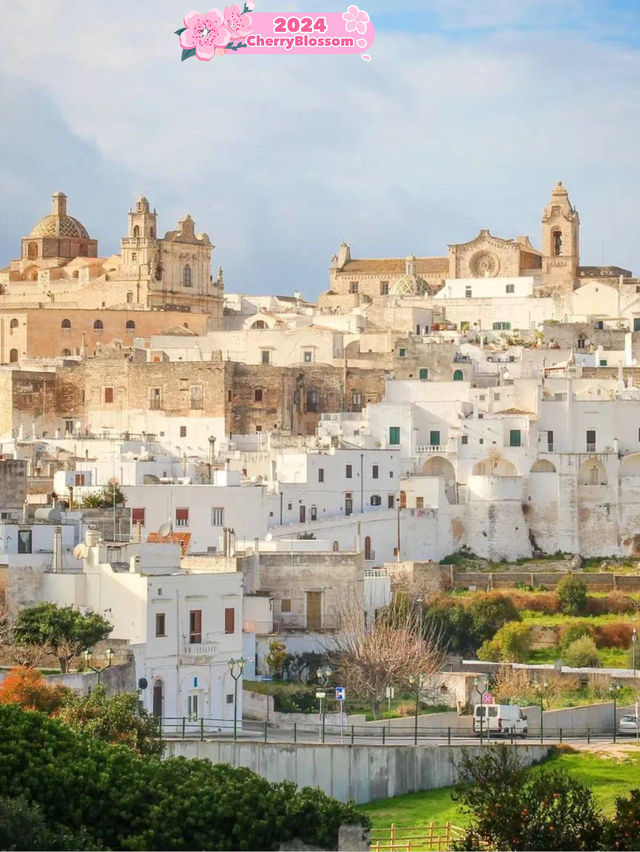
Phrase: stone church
(555,268)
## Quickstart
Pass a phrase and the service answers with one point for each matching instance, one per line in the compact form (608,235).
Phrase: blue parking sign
(340,693)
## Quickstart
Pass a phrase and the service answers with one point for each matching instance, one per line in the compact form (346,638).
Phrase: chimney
(57,550)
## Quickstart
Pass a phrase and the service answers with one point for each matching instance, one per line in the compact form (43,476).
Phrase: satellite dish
(268,537)
(81,551)
(143,683)
(165,529)
(505,375)
(451,483)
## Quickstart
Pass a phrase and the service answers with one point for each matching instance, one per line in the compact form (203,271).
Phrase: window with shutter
(229,620)
(182,517)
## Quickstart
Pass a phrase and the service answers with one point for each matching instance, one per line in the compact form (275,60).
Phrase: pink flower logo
(356,20)
(203,33)
(237,21)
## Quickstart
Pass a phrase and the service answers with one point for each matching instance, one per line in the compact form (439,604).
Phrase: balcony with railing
(435,449)
(199,649)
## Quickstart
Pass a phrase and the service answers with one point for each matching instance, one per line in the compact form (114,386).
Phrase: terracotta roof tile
(181,538)
(393,266)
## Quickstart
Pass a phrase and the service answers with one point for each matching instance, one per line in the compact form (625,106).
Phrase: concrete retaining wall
(599,582)
(363,773)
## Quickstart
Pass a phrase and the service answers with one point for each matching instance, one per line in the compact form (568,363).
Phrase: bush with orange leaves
(26,687)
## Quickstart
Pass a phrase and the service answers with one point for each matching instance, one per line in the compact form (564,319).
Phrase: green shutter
(424,373)
(515,438)
(394,435)
(434,438)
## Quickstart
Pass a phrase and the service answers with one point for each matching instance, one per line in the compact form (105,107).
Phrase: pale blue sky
(467,115)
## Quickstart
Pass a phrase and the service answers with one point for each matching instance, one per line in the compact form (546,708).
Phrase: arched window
(66,353)
(32,251)
(84,250)
(557,243)
(186,276)
(14,324)
(130,326)
(13,356)
(151,232)
(66,324)
(134,256)
(259,324)
(403,499)
(367,548)
(158,698)
(136,232)
(336,546)
(98,326)
(458,376)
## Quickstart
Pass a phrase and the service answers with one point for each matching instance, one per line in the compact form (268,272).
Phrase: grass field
(606,777)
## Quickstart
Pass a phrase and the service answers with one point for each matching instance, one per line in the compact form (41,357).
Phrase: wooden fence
(425,838)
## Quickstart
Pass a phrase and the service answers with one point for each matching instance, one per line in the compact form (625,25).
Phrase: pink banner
(241,30)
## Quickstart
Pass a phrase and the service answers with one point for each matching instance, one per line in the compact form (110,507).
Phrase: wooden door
(314,610)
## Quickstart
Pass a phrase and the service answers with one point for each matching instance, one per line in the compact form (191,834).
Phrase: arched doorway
(367,548)
(592,472)
(458,376)
(494,467)
(437,466)
(13,356)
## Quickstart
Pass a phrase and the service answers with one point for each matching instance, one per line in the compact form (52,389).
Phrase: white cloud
(279,158)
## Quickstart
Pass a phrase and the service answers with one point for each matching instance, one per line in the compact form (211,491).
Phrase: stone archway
(438,466)
(496,466)
(592,472)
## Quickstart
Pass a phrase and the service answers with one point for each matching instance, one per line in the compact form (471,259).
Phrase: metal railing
(422,838)
(318,730)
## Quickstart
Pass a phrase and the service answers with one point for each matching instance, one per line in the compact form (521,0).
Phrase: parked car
(500,719)
(629,725)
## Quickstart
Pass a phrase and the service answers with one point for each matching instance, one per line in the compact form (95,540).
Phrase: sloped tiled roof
(395,266)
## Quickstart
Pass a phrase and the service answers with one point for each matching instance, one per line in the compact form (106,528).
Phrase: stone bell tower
(560,242)
(139,246)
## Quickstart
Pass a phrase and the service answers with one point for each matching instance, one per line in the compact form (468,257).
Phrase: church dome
(408,285)
(58,223)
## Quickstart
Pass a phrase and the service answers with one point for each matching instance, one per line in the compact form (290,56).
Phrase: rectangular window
(511,288)
(434,437)
(515,438)
(636,320)
(230,620)
(68,427)
(312,401)
(349,471)
(354,287)
(467,292)
(285,605)
(356,400)
(391,501)
(550,440)
(155,398)
(229,697)
(183,431)
(313,513)
(217,516)
(266,359)
(376,500)
(196,397)
(603,362)
(464,439)
(591,440)
(137,516)
(394,435)
(348,504)
(257,395)
(182,517)
(24,541)
(195,626)
(320,474)
(161,624)
(384,288)
(192,707)
(424,373)
(375,471)
(501,326)
(79,479)
(307,356)
(402,353)
(109,394)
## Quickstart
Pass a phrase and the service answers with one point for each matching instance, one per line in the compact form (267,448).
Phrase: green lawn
(607,778)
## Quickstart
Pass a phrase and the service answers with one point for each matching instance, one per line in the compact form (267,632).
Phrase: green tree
(452,623)
(64,631)
(118,718)
(513,641)
(23,826)
(510,808)
(581,652)
(572,595)
(623,832)
(572,632)
(276,657)
(489,612)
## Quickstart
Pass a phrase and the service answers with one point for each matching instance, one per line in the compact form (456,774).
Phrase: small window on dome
(32,251)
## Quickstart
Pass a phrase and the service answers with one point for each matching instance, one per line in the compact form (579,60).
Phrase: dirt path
(614,751)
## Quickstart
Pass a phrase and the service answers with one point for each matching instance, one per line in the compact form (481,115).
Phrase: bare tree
(390,652)
(24,655)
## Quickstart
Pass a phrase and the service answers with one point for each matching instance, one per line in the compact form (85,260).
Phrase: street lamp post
(324,674)
(614,689)
(634,639)
(236,675)
(98,669)
(416,683)
(541,689)
(481,686)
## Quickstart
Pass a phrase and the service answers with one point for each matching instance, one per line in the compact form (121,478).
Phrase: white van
(499,719)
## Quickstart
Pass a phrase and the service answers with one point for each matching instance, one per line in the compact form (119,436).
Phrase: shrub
(27,688)
(511,809)
(453,623)
(616,635)
(572,595)
(514,639)
(623,832)
(581,652)
(546,602)
(618,603)
(490,651)
(131,802)
(570,632)
(489,612)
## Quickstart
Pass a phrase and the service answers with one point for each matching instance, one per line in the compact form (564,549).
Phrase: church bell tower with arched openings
(560,242)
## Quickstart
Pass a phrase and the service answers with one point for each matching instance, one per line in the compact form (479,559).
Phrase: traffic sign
(321,694)
(340,693)
(487,698)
